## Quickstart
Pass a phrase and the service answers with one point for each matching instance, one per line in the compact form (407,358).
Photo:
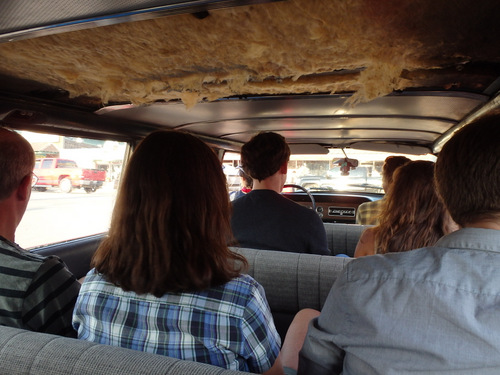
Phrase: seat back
(34,353)
(292,281)
(343,238)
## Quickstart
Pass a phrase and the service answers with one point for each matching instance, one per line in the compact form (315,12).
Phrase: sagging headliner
(317,71)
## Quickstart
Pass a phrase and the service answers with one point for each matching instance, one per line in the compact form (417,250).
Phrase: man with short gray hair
(36,293)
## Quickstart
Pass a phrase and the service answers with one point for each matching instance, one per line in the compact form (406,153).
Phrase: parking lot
(53,216)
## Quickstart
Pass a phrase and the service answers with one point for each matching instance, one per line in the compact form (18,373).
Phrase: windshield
(323,172)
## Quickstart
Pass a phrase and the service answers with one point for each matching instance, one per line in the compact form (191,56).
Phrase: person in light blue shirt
(432,310)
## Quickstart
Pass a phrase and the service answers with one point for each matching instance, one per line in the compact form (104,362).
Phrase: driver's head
(468,172)
(264,155)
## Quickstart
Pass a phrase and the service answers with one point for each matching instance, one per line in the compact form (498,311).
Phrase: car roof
(394,76)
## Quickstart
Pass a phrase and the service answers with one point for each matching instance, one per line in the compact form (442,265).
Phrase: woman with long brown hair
(164,280)
(413,215)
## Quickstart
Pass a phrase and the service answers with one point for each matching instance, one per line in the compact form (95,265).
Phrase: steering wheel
(313,201)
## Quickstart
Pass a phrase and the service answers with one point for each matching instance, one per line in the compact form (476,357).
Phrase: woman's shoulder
(366,243)
(242,287)
(235,295)
(244,282)
(368,235)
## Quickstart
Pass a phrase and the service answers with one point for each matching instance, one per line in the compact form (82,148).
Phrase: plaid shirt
(229,326)
(368,212)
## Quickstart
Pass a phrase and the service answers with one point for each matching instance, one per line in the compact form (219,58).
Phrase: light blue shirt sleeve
(319,354)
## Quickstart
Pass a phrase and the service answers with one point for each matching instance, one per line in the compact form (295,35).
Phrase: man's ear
(24,188)
(284,168)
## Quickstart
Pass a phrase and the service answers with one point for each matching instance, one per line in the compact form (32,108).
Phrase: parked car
(360,76)
(66,175)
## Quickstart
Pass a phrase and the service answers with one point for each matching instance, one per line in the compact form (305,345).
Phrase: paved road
(53,216)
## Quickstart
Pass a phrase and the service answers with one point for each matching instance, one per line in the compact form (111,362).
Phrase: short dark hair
(391,163)
(170,225)
(264,155)
(468,171)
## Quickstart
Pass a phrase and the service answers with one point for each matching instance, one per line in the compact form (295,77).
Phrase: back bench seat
(32,353)
(342,239)
(291,281)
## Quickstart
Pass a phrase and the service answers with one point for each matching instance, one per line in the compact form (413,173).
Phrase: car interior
(359,76)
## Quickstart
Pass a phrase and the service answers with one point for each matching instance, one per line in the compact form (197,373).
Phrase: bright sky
(38,137)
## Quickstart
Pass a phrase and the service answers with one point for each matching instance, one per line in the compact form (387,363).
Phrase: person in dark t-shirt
(263,218)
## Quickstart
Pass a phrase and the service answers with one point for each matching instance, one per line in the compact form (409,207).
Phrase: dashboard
(334,207)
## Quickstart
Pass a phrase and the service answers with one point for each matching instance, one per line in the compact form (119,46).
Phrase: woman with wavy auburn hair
(413,215)
(164,279)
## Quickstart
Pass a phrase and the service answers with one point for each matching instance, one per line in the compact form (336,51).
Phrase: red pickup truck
(66,174)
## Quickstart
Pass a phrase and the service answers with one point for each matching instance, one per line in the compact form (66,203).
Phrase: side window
(230,167)
(47,163)
(66,164)
(66,207)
